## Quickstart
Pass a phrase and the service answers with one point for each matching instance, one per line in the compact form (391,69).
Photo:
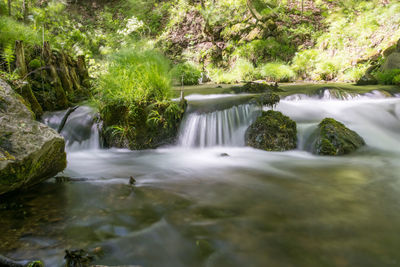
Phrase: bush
(327,70)
(277,72)
(304,62)
(187,72)
(388,76)
(242,71)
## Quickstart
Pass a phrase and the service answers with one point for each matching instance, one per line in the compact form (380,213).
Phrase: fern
(9,57)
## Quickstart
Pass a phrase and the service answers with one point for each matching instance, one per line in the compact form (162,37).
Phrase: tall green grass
(11,31)
(135,75)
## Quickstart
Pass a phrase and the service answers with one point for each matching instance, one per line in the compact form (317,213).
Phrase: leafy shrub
(277,71)
(396,79)
(242,71)
(304,61)
(327,70)
(187,72)
(388,76)
(258,51)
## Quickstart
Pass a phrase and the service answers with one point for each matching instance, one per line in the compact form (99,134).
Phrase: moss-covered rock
(332,138)
(30,152)
(255,88)
(272,131)
(142,125)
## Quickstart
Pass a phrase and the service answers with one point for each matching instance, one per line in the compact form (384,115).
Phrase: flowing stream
(211,201)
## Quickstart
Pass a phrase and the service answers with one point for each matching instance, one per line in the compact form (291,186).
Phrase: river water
(211,201)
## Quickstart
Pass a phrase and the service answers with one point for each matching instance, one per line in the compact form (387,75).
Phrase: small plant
(277,72)
(388,76)
(9,57)
(187,72)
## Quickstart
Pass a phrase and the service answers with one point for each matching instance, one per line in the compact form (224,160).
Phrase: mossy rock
(272,131)
(269,99)
(30,152)
(255,88)
(332,138)
(142,125)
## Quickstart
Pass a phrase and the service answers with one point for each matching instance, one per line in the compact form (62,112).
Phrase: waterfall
(81,130)
(219,128)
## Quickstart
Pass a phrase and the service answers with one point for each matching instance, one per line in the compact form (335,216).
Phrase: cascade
(219,128)
(81,130)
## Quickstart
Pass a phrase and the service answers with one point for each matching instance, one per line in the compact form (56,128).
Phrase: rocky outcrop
(332,138)
(30,152)
(272,131)
(393,60)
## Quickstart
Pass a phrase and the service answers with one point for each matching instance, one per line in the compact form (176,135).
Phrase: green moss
(35,64)
(333,138)
(272,131)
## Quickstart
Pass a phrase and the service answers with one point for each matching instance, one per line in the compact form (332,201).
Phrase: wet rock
(224,155)
(367,79)
(272,131)
(30,152)
(332,138)
(269,99)
(78,258)
(255,88)
(7,262)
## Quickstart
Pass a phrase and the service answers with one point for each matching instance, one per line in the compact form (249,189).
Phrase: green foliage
(277,71)
(242,71)
(187,72)
(304,61)
(327,70)
(388,76)
(35,64)
(12,31)
(8,55)
(135,75)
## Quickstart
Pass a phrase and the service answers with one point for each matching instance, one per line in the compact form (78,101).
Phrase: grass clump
(12,31)
(277,72)
(187,73)
(242,71)
(134,100)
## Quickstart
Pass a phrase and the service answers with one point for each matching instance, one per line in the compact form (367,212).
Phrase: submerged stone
(332,138)
(272,131)
(30,152)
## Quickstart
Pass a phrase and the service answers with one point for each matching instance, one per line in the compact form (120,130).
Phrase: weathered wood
(82,71)
(62,101)
(63,73)
(26,90)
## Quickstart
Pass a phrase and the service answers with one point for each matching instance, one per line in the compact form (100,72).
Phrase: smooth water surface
(193,205)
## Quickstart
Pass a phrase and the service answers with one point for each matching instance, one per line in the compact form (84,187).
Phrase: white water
(81,130)
(219,128)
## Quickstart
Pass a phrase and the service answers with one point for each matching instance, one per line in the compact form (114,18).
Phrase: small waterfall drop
(81,130)
(219,128)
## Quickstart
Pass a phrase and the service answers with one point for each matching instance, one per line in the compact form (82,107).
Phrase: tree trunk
(26,90)
(9,7)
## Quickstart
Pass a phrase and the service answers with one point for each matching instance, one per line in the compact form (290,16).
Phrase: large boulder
(332,138)
(30,152)
(272,131)
(392,62)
